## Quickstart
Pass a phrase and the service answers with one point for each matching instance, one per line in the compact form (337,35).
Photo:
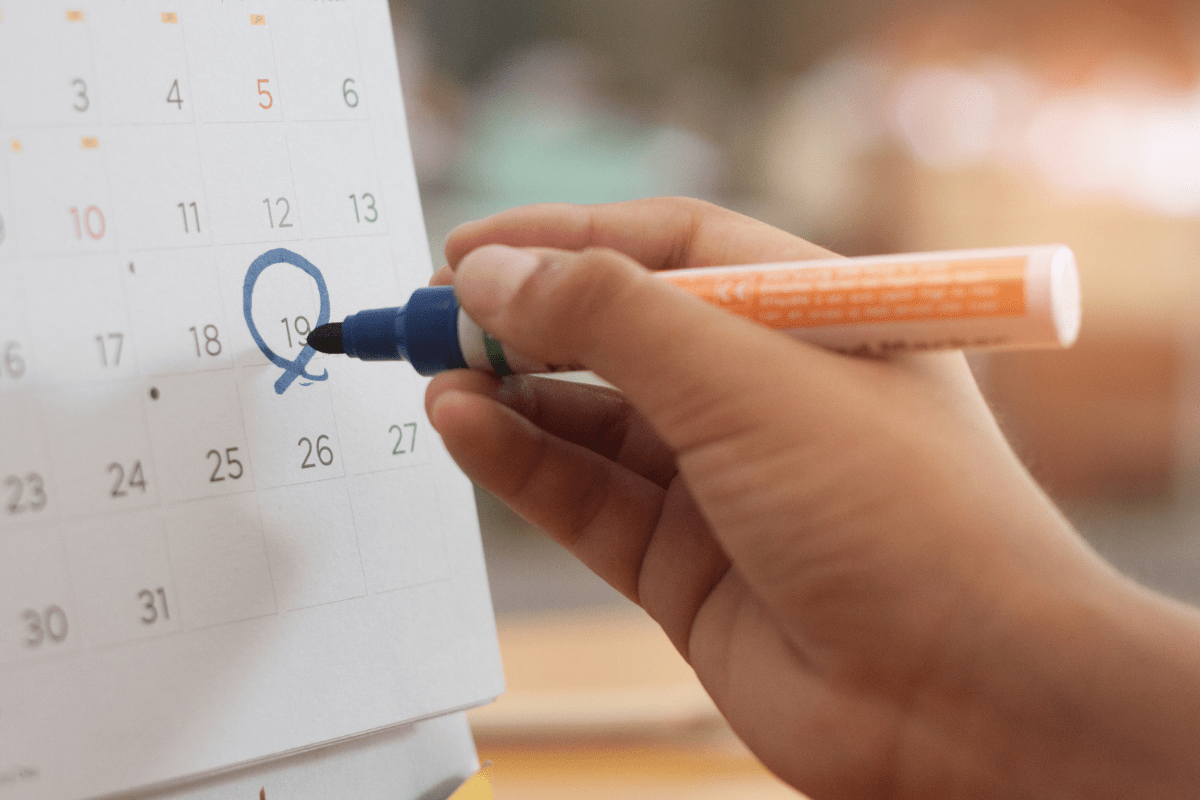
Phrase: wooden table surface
(600,705)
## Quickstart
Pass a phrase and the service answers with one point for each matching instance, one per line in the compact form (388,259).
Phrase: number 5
(262,91)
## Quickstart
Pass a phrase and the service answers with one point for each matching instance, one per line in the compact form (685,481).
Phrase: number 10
(92,222)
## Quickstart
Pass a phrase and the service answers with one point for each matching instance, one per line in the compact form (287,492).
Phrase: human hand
(875,593)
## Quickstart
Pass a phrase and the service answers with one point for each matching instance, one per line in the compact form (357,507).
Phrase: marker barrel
(980,299)
(1002,299)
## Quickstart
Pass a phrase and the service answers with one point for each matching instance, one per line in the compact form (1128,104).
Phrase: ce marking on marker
(292,368)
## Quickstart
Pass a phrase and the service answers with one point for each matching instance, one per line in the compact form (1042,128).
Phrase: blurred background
(868,127)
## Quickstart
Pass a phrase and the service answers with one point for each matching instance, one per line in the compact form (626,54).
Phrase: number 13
(369,213)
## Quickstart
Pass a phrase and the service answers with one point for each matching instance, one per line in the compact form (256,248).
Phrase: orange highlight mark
(170,17)
(16,145)
(90,142)
(74,15)
(258,19)
(808,298)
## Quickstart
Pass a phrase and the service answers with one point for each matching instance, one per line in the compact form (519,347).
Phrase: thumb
(692,369)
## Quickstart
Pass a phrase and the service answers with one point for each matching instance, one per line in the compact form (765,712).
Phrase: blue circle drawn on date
(297,368)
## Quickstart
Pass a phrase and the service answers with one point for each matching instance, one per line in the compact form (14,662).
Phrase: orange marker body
(989,299)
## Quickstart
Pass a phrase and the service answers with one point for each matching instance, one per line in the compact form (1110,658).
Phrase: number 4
(176,99)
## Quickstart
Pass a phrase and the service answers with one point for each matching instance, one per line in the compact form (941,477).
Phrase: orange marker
(1013,298)
(980,299)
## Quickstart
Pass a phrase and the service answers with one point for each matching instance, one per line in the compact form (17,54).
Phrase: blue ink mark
(295,368)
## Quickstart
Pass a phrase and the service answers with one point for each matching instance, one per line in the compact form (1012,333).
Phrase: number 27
(399,430)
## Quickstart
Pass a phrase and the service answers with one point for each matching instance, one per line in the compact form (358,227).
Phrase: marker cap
(373,335)
(429,331)
(423,333)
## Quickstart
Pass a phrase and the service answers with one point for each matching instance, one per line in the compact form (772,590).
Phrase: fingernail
(442,277)
(488,278)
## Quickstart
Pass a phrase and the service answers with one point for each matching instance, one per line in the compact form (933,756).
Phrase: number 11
(195,214)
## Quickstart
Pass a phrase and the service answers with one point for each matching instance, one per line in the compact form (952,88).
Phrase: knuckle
(582,288)
(690,203)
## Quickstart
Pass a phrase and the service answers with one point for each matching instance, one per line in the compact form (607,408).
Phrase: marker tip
(327,339)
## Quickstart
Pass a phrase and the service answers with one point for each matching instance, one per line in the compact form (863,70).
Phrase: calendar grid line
(383,235)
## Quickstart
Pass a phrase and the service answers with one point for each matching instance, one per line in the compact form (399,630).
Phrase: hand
(873,590)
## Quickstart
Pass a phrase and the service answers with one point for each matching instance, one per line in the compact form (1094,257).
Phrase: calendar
(217,546)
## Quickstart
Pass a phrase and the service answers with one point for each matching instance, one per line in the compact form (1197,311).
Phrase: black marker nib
(327,339)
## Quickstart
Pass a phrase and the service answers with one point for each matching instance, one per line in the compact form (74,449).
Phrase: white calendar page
(216,545)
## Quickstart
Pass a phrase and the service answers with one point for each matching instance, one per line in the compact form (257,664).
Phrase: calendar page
(216,545)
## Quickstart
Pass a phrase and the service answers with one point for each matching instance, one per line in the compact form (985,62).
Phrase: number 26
(323,451)
(261,91)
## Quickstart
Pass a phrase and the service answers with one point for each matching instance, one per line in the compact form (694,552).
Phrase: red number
(95,225)
(262,91)
(92,222)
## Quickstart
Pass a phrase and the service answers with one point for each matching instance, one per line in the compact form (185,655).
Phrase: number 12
(287,209)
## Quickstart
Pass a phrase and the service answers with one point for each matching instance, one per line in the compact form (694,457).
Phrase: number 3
(82,103)
(262,91)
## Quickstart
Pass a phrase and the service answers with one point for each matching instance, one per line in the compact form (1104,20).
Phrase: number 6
(262,91)
(13,364)
(324,452)
(348,93)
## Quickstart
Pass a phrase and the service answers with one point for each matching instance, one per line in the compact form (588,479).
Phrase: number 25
(261,91)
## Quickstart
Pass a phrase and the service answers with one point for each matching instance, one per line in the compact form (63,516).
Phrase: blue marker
(1011,298)
(431,332)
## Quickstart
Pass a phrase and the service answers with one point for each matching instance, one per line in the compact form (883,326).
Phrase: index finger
(658,233)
